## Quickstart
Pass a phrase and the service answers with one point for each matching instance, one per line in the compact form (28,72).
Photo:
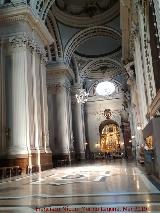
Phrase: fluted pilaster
(45,133)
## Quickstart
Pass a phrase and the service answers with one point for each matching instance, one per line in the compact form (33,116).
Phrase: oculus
(105,88)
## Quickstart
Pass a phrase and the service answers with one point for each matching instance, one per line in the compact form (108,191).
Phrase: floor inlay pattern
(82,188)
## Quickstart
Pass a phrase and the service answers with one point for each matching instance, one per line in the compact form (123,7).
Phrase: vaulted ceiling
(88,37)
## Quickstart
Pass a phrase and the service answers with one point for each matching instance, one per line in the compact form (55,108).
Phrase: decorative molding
(134,31)
(147,52)
(155,105)
(45,9)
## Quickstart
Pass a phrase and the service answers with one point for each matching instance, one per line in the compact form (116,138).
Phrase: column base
(80,156)
(33,162)
(12,161)
(39,162)
(61,159)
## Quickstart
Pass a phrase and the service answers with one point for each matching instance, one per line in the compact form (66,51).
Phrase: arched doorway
(110,137)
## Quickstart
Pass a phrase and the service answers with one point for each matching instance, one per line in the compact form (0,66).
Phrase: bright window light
(105,88)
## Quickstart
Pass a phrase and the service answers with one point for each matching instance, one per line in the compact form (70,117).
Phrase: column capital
(25,41)
(57,86)
(74,90)
(76,87)
(18,41)
(59,70)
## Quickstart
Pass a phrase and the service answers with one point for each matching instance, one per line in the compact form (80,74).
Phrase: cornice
(24,13)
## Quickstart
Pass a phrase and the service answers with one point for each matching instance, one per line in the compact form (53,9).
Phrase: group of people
(108,155)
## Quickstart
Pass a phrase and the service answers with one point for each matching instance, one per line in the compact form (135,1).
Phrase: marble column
(70,132)
(78,130)
(19,137)
(62,140)
(125,127)
(58,81)
(40,151)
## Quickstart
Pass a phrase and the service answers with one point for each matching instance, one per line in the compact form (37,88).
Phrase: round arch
(85,35)
(117,67)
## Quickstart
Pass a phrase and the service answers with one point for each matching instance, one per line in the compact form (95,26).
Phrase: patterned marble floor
(117,186)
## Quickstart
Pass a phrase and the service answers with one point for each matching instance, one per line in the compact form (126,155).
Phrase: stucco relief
(99,115)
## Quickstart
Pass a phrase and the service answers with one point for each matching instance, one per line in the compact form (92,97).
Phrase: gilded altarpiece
(110,139)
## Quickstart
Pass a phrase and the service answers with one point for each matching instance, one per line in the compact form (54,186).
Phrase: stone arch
(53,29)
(102,62)
(85,35)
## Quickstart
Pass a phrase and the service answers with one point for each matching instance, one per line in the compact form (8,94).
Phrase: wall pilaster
(44,113)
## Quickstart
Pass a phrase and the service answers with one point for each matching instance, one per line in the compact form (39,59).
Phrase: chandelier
(82,96)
